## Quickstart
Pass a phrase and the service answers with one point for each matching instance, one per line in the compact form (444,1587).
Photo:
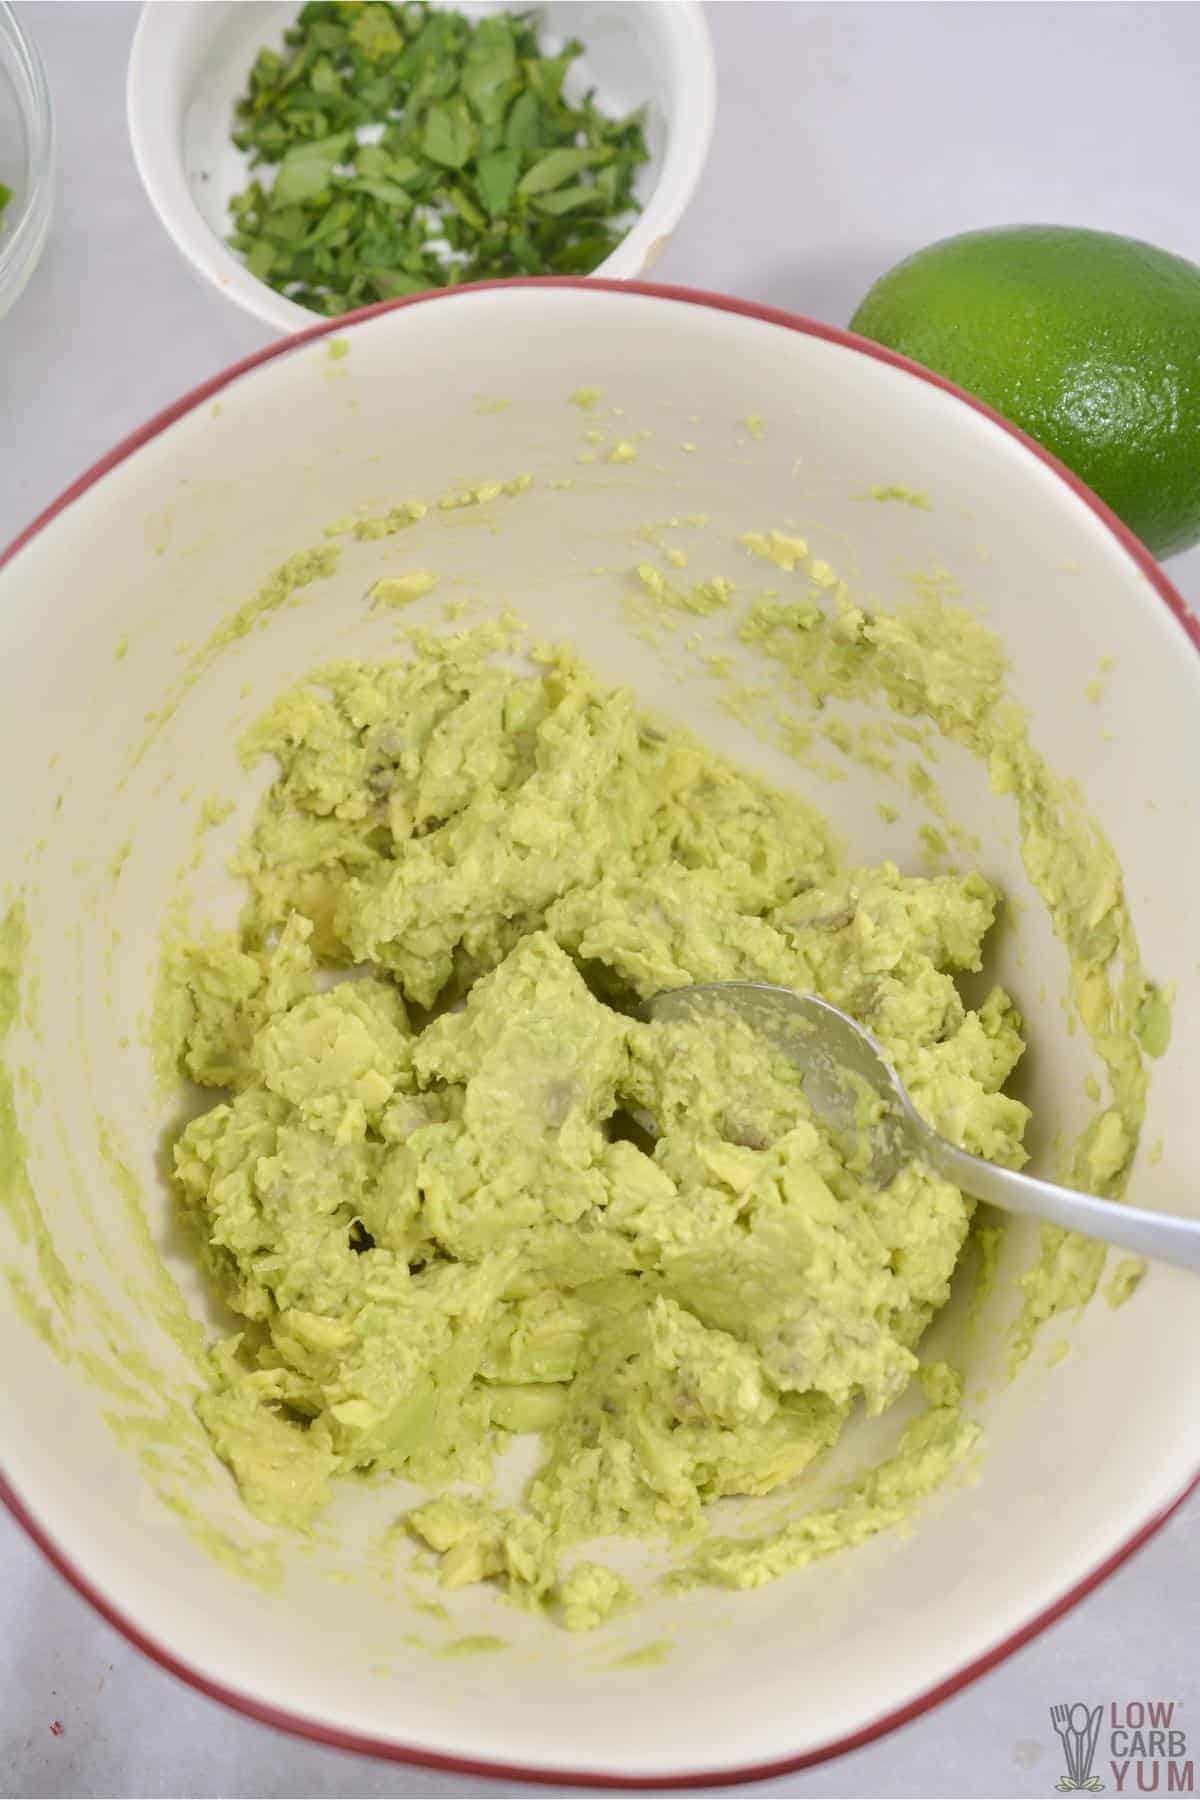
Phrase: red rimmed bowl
(109,713)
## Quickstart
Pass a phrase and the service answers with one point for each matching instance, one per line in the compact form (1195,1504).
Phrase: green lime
(1088,341)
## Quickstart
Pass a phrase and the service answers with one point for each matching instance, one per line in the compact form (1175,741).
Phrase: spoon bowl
(845,1069)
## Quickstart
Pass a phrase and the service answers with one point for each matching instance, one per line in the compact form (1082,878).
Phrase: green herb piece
(6,195)
(569,200)
(306,172)
(451,136)
(490,76)
(395,148)
(496,179)
(375,33)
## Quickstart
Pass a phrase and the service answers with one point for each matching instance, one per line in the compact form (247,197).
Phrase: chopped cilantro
(411,147)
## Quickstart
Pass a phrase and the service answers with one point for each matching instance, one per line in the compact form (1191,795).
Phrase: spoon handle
(1153,1234)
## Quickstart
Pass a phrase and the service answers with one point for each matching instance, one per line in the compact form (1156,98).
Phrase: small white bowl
(26,157)
(189,64)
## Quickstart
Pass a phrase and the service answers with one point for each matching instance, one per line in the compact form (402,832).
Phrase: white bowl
(189,64)
(1084,1456)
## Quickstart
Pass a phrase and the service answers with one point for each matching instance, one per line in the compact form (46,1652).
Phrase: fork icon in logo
(1079,1729)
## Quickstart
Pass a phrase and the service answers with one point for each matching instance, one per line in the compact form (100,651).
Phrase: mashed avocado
(421,1192)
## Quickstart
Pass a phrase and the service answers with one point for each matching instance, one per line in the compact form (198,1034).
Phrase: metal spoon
(840,1060)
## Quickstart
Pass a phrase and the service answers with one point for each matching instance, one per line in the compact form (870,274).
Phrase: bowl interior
(121,711)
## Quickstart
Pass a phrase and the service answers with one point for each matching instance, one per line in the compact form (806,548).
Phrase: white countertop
(889,126)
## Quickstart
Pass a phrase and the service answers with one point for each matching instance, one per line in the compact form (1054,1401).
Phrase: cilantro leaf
(376,34)
(496,180)
(306,172)
(570,199)
(490,70)
(450,134)
(522,130)
(413,146)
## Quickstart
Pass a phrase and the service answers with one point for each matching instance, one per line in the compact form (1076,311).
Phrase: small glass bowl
(26,157)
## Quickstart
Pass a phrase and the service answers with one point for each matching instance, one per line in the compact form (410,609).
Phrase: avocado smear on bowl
(418,1199)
